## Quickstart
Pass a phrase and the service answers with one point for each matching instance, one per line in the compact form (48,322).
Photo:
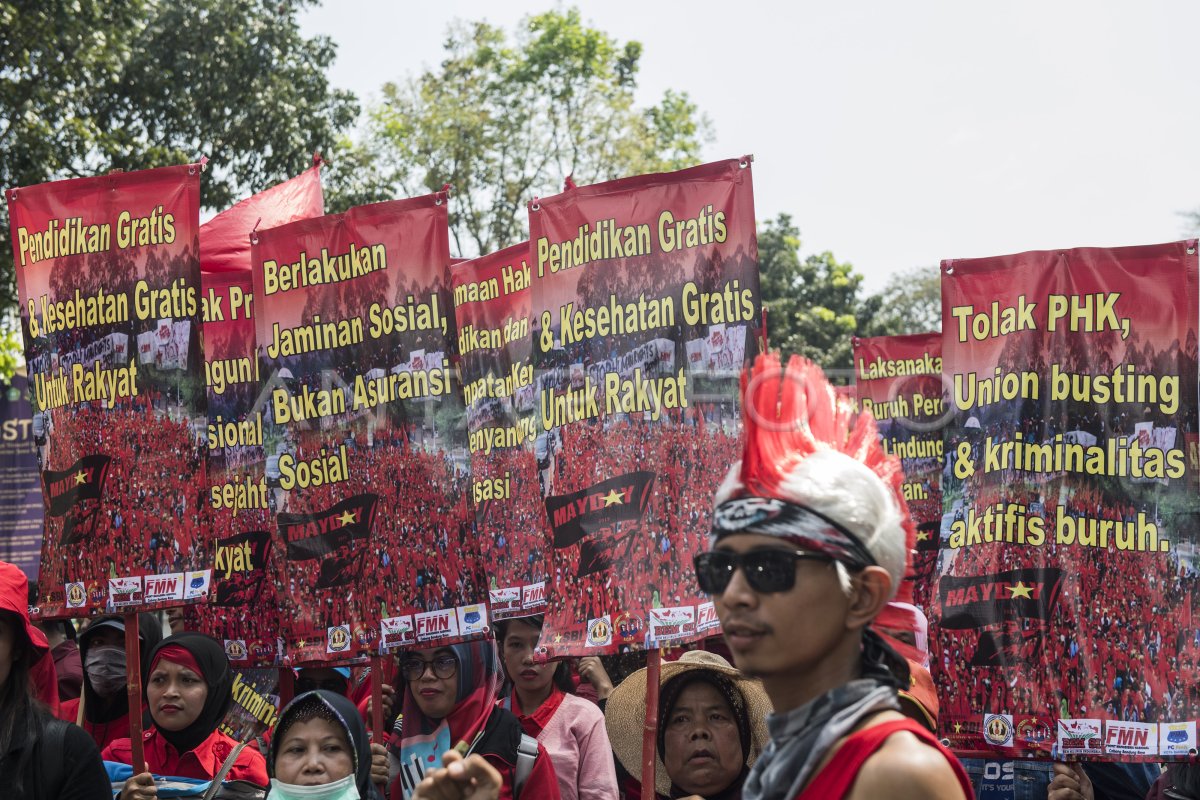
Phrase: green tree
(813,304)
(86,87)
(503,120)
(910,302)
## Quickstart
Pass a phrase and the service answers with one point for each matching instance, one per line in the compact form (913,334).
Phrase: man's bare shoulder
(905,767)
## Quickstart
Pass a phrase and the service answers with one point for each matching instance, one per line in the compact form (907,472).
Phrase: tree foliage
(86,87)
(503,120)
(910,302)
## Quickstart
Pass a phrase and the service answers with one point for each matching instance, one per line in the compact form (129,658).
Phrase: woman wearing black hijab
(188,691)
(320,740)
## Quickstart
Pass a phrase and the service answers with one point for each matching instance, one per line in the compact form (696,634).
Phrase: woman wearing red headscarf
(188,692)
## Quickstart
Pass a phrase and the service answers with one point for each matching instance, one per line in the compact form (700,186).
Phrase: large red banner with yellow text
(645,308)
(491,306)
(365,438)
(1067,575)
(899,380)
(104,264)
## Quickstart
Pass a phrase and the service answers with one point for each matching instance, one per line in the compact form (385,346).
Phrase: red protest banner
(491,307)
(366,450)
(103,263)
(899,380)
(645,306)
(1064,600)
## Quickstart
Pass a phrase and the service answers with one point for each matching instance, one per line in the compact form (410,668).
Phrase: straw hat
(625,712)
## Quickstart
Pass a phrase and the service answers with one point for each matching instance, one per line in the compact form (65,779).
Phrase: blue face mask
(345,789)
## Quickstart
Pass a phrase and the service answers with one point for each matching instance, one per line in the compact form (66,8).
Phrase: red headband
(177,654)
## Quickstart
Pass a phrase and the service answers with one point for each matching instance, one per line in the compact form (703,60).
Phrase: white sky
(895,133)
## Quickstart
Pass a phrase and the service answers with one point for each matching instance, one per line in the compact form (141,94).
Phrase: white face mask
(345,789)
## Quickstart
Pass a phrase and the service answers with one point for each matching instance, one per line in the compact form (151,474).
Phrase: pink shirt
(578,745)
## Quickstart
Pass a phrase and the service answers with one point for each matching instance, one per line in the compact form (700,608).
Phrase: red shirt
(202,763)
(105,733)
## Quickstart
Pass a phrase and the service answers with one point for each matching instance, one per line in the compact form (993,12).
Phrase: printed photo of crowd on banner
(329,513)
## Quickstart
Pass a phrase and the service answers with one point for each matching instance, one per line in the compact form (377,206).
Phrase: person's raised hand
(471,778)
(139,787)
(1070,782)
(389,701)
(592,670)
(379,764)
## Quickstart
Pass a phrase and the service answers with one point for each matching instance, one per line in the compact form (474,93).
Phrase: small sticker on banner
(669,624)
(599,632)
(629,628)
(235,649)
(397,631)
(507,599)
(533,595)
(1034,733)
(337,639)
(998,729)
(164,587)
(197,584)
(125,592)
(472,619)
(76,595)
(1130,738)
(1080,737)
(1176,738)
(436,624)
(706,618)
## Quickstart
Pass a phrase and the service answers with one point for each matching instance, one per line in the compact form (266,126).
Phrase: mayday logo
(599,632)
(629,628)
(998,729)
(436,625)
(602,505)
(76,595)
(197,584)
(397,631)
(1080,737)
(672,623)
(1034,733)
(235,649)
(335,537)
(125,591)
(533,595)
(337,639)
(505,599)
(74,494)
(1131,738)
(164,587)
(706,617)
(472,619)
(1010,610)
(1176,738)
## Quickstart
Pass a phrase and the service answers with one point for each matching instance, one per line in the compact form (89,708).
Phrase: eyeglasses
(767,571)
(444,666)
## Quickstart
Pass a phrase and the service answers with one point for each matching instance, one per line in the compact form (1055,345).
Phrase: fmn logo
(998,730)
(339,639)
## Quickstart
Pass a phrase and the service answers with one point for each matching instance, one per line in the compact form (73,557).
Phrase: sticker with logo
(164,587)
(436,625)
(472,619)
(1034,733)
(1080,737)
(533,595)
(236,650)
(1130,738)
(76,595)
(337,639)
(629,628)
(1176,738)
(397,631)
(706,618)
(599,632)
(125,592)
(504,601)
(197,584)
(671,624)
(998,730)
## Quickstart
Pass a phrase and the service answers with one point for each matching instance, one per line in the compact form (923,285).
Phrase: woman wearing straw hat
(711,726)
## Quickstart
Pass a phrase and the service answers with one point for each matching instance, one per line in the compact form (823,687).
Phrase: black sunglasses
(444,666)
(767,571)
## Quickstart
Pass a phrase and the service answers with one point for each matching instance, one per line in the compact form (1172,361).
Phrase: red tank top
(837,777)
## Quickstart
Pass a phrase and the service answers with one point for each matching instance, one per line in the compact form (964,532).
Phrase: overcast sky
(896,134)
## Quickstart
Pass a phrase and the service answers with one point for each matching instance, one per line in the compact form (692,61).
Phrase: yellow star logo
(81,476)
(923,536)
(301,643)
(557,638)
(613,498)
(1021,590)
(347,518)
(958,727)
